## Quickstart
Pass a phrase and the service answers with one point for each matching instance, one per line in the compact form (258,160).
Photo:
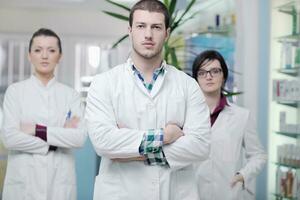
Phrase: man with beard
(147,120)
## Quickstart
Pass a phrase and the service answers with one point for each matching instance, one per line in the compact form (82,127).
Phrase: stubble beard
(148,55)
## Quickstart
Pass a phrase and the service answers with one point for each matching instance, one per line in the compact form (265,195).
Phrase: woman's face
(44,55)
(210,77)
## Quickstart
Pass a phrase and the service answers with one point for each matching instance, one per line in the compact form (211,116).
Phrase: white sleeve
(12,137)
(107,139)
(69,137)
(194,146)
(255,154)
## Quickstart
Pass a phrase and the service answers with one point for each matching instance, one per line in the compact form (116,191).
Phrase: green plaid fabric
(151,147)
(156,73)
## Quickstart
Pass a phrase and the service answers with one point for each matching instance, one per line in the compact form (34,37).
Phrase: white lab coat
(117,97)
(33,172)
(233,138)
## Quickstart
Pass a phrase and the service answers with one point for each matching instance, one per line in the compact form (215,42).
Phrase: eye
(52,50)
(215,70)
(37,50)
(157,27)
(201,73)
(140,26)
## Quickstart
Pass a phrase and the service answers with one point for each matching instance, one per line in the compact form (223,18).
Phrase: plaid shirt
(151,145)
(156,73)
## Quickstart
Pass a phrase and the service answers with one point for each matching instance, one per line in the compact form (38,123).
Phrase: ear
(168,33)
(29,57)
(129,30)
(60,55)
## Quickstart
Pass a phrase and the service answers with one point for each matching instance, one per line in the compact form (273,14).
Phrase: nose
(208,75)
(148,33)
(44,54)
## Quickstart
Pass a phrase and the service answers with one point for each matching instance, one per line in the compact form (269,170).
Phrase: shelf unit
(280,197)
(285,67)
(288,134)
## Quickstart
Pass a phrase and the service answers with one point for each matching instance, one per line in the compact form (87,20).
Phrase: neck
(212,100)
(146,66)
(44,78)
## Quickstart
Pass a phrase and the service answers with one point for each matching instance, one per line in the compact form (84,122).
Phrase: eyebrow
(51,47)
(156,24)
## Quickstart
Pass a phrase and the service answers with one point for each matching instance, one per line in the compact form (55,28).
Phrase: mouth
(148,44)
(44,64)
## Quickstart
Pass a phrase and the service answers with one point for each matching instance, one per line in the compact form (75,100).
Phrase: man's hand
(28,128)
(237,178)
(139,158)
(72,123)
(171,133)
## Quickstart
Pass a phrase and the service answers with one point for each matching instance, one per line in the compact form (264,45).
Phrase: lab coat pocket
(186,184)
(66,168)
(16,179)
(107,187)
(237,191)
(17,170)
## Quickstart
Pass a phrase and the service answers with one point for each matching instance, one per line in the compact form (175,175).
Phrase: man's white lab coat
(118,99)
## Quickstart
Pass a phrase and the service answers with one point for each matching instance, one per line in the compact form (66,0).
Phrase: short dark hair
(151,6)
(45,32)
(207,56)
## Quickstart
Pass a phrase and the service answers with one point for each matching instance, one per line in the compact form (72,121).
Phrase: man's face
(148,33)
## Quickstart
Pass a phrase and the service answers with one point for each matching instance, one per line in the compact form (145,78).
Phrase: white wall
(64,21)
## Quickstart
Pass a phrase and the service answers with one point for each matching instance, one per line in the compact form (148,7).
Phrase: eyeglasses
(214,72)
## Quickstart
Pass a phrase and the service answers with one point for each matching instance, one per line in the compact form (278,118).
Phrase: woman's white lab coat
(234,139)
(117,98)
(34,172)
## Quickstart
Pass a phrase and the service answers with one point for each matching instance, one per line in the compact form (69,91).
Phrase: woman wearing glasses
(236,155)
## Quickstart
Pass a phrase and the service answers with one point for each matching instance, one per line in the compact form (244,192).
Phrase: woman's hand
(28,128)
(237,178)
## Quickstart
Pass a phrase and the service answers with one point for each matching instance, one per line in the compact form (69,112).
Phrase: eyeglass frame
(210,72)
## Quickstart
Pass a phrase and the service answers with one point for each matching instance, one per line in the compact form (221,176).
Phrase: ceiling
(53,4)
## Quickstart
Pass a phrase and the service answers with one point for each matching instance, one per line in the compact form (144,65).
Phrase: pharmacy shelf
(292,135)
(288,103)
(287,165)
(292,71)
(294,39)
(290,8)
(280,197)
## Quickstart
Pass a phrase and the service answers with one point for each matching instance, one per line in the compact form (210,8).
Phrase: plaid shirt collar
(163,65)
(157,72)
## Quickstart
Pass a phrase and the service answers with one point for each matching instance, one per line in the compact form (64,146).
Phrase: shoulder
(66,90)
(181,76)
(110,74)
(18,86)
(238,110)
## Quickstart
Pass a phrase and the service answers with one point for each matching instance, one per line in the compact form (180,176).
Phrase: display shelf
(290,7)
(286,165)
(292,71)
(295,39)
(284,52)
(216,31)
(280,197)
(288,103)
(292,135)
